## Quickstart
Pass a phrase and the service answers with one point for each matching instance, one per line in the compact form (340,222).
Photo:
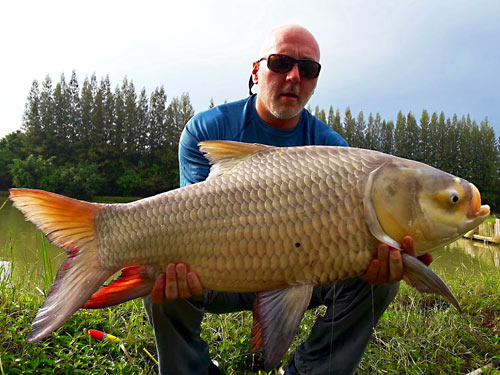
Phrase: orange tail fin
(70,224)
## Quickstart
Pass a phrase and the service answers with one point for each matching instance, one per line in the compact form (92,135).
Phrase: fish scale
(308,198)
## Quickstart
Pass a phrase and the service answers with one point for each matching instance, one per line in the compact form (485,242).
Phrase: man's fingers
(182,284)
(157,292)
(383,255)
(407,244)
(395,266)
(171,290)
(194,284)
(372,271)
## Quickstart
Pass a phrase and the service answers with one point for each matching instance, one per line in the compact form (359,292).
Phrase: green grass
(417,334)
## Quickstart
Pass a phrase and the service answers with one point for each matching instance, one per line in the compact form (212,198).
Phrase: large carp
(267,219)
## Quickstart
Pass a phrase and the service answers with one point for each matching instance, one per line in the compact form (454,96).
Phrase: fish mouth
(476,209)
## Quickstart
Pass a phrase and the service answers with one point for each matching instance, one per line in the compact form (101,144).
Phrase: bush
(79,181)
(129,182)
(33,172)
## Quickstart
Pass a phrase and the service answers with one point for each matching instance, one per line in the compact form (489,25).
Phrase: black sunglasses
(282,64)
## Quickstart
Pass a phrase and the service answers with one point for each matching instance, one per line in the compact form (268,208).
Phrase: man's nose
(294,74)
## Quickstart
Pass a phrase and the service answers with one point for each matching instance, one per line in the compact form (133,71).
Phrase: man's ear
(255,71)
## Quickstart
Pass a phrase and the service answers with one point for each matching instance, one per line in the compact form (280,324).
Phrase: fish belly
(279,218)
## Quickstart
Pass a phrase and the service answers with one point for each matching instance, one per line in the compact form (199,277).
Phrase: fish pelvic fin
(134,282)
(224,155)
(70,224)
(422,278)
(276,318)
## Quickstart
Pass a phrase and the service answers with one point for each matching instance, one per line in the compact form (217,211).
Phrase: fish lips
(476,210)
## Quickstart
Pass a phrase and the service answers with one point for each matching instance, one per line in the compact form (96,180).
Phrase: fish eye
(454,197)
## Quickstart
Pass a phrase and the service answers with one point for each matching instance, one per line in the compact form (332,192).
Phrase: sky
(380,56)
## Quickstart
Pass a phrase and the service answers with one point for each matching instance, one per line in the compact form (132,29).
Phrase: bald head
(282,95)
(294,36)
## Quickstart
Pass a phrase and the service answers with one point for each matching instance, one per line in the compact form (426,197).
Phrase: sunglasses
(282,64)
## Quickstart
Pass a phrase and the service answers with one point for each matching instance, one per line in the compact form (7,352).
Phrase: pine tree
(377,132)
(47,121)
(74,111)
(32,125)
(131,131)
(143,122)
(359,131)
(387,137)
(425,142)
(349,128)
(335,122)
(400,137)
(434,143)
(108,116)
(61,126)
(412,137)
(157,119)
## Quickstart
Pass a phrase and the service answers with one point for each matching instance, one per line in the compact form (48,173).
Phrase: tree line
(95,140)
(458,145)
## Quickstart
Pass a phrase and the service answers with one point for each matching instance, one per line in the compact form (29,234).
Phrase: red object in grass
(96,335)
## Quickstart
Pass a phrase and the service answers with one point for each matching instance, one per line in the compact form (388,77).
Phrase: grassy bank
(417,335)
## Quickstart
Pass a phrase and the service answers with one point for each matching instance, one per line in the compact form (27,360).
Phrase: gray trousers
(328,350)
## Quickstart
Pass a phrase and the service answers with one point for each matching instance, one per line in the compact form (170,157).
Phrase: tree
(143,124)
(179,112)
(387,137)
(320,114)
(33,172)
(349,128)
(335,122)
(32,124)
(157,119)
(412,138)
(400,137)
(359,132)
(74,111)
(11,147)
(425,141)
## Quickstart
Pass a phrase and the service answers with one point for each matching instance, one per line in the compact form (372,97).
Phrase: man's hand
(387,266)
(176,282)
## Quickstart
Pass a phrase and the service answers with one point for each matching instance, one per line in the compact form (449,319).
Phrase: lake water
(26,242)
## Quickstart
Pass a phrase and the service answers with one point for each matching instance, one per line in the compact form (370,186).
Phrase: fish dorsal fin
(224,155)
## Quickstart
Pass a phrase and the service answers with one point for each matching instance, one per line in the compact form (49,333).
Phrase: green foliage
(129,182)
(79,181)
(91,140)
(11,147)
(34,172)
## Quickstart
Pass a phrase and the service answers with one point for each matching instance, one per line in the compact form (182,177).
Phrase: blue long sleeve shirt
(239,121)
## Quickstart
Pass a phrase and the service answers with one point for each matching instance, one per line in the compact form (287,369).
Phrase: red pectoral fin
(132,283)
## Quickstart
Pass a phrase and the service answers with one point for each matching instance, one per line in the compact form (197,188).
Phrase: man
(286,74)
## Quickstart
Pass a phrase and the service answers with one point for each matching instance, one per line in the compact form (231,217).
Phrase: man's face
(282,96)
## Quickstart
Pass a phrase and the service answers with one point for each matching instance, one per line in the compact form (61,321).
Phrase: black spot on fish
(297,244)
